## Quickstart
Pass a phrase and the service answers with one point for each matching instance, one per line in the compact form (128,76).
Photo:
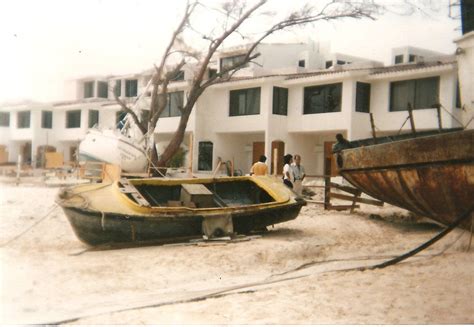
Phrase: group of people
(293,171)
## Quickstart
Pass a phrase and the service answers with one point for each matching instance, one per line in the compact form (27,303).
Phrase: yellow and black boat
(160,209)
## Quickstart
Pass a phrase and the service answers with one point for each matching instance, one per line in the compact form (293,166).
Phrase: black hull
(95,228)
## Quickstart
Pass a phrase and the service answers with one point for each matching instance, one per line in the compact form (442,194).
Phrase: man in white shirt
(298,174)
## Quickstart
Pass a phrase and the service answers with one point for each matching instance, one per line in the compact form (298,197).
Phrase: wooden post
(18,169)
(232,167)
(275,161)
(218,167)
(190,172)
(327,183)
(372,124)
(412,121)
(440,123)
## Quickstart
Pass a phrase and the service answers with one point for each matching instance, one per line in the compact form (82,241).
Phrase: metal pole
(18,169)
(412,121)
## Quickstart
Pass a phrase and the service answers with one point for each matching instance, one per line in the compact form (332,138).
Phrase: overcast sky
(47,43)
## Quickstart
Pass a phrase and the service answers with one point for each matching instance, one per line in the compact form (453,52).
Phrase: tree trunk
(176,141)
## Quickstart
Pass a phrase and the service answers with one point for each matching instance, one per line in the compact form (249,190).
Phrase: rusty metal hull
(432,176)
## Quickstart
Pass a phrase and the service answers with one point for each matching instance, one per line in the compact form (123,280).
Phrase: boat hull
(153,210)
(432,176)
(94,228)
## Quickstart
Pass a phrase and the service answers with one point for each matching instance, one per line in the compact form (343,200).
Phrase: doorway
(330,167)
(280,146)
(257,151)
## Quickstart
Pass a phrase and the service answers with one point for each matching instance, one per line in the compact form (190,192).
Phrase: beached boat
(144,210)
(431,175)
(114,148)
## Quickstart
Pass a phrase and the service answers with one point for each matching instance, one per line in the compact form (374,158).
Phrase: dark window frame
(46,119)
(302,63)
(73,119)
(102,89)
(118,87)
(4,119)
(131,88)
(399,59)
(327,102)
(205,153)
(414,91)
(235,98)
(93,118)
(174,104)
(23,119)
(363,97)
(280,101)
(88,89)
(227,62)
(328,64)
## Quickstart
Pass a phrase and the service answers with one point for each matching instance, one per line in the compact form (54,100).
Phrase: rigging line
(55,206)
(420,248)
(443,107)
(399,131)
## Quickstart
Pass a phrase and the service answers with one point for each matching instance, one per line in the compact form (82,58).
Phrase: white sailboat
(115,148)
(120,147)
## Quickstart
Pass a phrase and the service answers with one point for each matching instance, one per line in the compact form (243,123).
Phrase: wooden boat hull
(121,221)
(432,176)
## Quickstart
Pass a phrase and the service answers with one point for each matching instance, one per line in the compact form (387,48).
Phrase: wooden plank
(345,188)
(315,202)
(131,189)
(351,198)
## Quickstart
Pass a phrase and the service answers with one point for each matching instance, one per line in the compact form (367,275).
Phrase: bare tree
(236,15)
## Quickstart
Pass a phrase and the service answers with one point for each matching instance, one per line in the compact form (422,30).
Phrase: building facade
(294,102)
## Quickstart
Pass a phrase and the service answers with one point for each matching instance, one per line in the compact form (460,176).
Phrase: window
(46,119)
(23,119)
(329,64)
(102,90)
(131,87)
(212,73)
(174,105)
(301,63)
(458,95)
(205,156)
(179,76)
(280,101)
(93,118)
(341,62)
(321,99)
(73,119)
(4,119)
(244,102)
(398,59)
(229,62)
(420,93)
(88,89)
(120,118)
(411,58)
(118,87)
(363,97)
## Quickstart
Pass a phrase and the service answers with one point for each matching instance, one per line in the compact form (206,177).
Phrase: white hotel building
(295,97)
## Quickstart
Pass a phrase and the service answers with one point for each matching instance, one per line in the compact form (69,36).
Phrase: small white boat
(113,147)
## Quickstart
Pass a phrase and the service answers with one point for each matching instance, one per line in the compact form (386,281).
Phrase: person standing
(288,171)
(298,175)
(259,168)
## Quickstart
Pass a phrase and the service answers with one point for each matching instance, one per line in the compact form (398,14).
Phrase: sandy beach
(299,272)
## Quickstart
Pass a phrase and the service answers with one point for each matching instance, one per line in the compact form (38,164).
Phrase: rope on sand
(55,206)
(423,246)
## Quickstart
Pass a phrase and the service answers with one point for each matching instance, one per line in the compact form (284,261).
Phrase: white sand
(43,281)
